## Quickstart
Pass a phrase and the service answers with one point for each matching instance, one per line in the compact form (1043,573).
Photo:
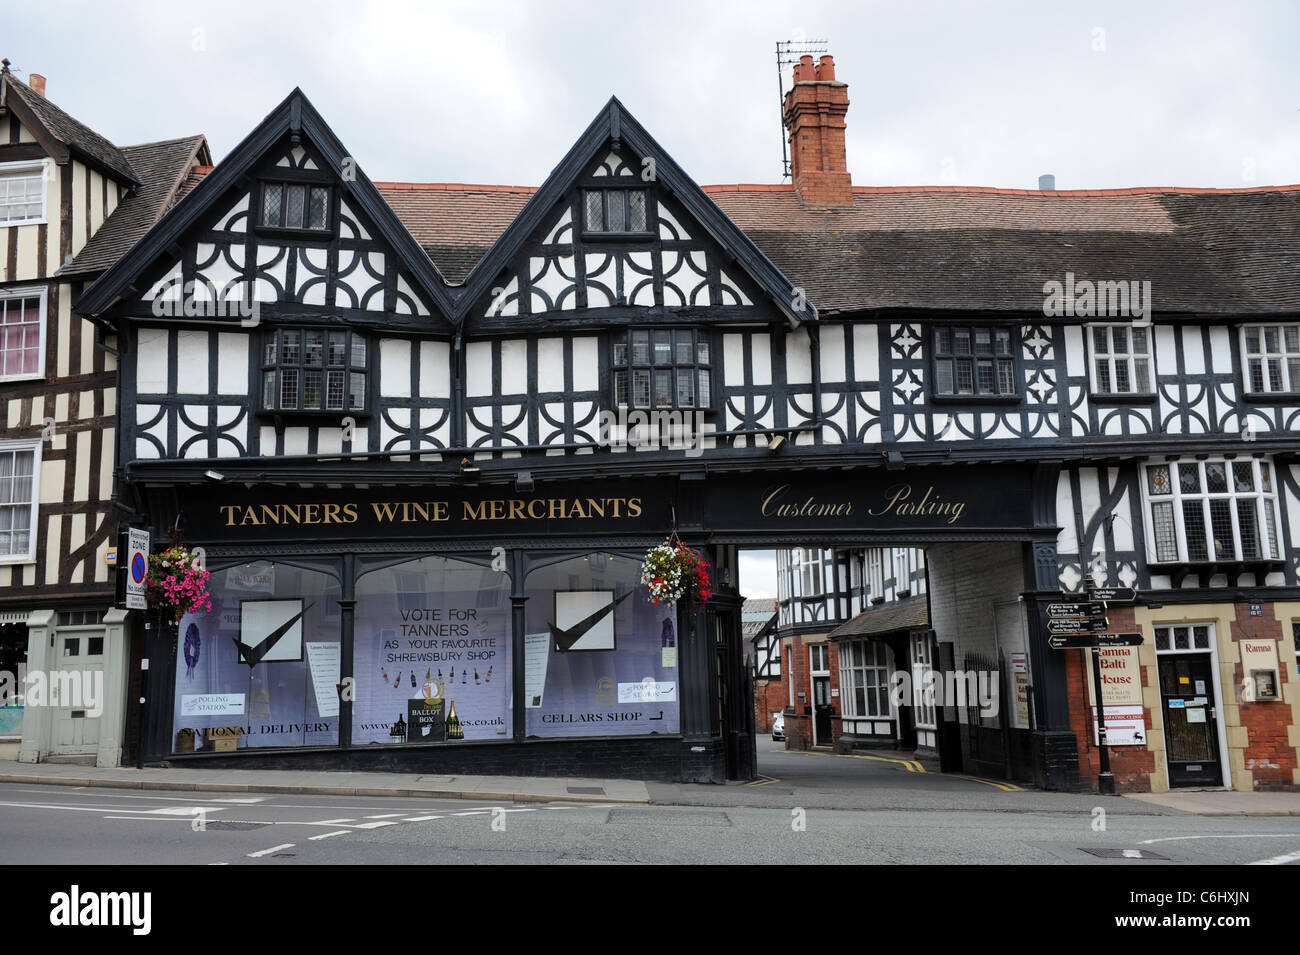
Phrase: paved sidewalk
(1208,802)
(479,788)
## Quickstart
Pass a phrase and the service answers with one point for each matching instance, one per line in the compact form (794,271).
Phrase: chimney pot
(813,113)
(1047,181)
(37,83)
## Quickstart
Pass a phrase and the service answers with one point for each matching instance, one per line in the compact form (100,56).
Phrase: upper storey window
(974,361)
(1202,511)
(615,211)
(22,193)
(1272,357)
(314,369)
(1121,359)
(22,333)
(663,368)
(295,205)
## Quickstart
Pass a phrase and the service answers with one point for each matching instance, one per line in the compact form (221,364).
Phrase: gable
(682,257)
(661,260)
(227,247)
(232,258)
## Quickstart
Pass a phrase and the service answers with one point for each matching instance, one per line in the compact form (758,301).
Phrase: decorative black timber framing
(296,120)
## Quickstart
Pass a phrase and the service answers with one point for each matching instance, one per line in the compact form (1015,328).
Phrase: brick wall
(799,725)
(770,696)
(1131,766)
(1269,756)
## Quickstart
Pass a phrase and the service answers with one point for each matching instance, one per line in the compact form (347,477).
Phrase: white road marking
(385,815)
(331,822)
(1132,853)
(176,810)
(326,835)
(373,825)
(243,799)
(421,818)
(1262,835)
(1279,860)
(267,852)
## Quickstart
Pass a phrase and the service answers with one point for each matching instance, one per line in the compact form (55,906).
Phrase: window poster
(261,658)
(432,650)
(629,687)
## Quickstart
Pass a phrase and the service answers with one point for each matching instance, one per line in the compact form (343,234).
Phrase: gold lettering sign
(432,512)
(901,500)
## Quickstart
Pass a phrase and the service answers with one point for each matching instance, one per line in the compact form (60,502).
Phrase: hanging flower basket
(672,570)
(176,585)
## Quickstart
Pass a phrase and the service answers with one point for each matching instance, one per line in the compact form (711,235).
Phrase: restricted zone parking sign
(137,566)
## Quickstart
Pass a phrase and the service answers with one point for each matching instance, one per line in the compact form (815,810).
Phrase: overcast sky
(1104,95)
(1101,94)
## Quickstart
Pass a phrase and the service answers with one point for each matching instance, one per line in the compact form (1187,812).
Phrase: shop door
(1191,720)
(822,710)
(76,690)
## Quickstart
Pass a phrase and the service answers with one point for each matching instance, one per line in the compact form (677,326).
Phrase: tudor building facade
(70,203)
(411,428)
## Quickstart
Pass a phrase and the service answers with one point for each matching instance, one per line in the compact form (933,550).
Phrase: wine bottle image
(464,676)
(476,679)
(439,673)
(398,732)
(454,730)
(412,678)
(488,678)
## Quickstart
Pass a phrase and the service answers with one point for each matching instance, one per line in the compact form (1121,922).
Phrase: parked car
(778,726)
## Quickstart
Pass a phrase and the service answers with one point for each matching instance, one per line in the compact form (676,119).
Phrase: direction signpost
(1079,623)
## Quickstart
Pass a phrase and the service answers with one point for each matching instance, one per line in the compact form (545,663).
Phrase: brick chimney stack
(814,115)
(37,83)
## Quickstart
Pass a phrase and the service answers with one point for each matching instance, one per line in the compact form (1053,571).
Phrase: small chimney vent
(1047,182)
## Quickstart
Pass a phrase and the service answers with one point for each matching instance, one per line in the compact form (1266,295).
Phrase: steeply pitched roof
(75,135)
(908,614)
(164,169)
(294,115)
(615,123)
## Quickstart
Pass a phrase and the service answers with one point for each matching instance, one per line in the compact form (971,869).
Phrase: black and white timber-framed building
(390,414)
(71,202)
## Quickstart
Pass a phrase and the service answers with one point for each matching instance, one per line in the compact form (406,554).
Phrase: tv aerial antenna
(788,53)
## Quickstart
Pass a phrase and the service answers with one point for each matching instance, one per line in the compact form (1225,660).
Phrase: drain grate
(1122,853)
(585,790)
(238,826)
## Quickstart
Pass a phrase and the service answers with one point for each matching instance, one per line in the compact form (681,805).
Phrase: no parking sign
(137,566)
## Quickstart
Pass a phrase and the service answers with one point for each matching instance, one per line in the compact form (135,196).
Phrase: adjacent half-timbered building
(70,203)
(424,434)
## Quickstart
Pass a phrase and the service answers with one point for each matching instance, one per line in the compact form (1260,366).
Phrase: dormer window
(295,205)
(615,211)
